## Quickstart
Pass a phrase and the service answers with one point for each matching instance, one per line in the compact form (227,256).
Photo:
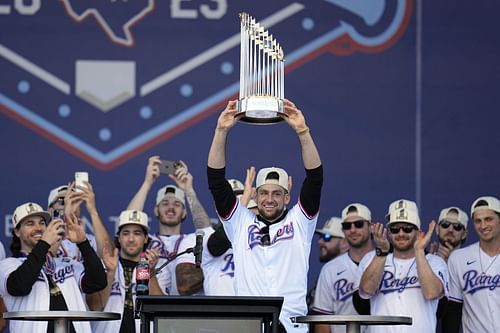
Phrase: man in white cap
(475,274)
(34,280)
(271,249)
(339,277)
(406,282)
(119,296)
(331,240)
(171,210)
(451,231)
(74,199)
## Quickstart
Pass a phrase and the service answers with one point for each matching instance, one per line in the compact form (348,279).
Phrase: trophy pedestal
(260,110)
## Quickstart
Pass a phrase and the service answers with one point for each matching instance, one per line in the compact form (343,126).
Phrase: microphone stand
(169,260)
(158,270)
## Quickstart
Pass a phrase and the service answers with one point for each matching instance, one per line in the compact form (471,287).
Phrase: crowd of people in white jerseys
(259,247)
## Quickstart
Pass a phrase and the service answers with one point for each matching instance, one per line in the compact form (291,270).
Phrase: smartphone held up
(80,178)
(169,167)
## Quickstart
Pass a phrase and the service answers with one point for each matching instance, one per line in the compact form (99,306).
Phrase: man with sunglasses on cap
(171,210)
(475,274)
(451,231)
(121,264)
(339,277)
(406,282)
(34,280)
(271,249)
(74,199)
(331,244)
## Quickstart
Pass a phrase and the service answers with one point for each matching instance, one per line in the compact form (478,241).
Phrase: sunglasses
(407,229)
(327,237)
(456,226)
(265,239)
(348,225)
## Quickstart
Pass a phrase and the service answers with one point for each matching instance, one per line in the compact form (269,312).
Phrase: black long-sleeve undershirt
(94,279)
(20,281)
(218,243)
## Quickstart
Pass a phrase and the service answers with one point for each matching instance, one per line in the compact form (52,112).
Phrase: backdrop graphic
(400,96)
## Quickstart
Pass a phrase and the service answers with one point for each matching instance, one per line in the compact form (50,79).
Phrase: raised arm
(294,117)
(101,234)
(248,190)
(217,153)
(97,301)
(372,276)
(152,173)
(431,285)
(184,180)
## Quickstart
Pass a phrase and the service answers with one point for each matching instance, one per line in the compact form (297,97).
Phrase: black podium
(248,314)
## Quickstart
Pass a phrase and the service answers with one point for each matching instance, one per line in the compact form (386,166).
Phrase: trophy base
(260,110)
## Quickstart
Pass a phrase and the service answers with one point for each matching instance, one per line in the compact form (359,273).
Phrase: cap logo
(30,208)
(134,217)
(403,215)
(401,204)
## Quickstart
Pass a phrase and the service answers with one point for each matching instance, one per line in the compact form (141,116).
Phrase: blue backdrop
(401,97)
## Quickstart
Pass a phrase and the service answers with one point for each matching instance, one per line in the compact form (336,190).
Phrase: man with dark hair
(271,250)
(451,231)
(35,280)
(119,296)
(339,277)
(171,210)
(475,275)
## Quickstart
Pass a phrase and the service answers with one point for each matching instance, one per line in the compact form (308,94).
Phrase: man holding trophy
(271,249)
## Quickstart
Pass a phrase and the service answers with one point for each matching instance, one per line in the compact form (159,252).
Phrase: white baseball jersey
(67,275)
(479,292)
(337,281)
(169,246)
(279,269)
(399,293)
(218,272)
(70,249)
(115,303)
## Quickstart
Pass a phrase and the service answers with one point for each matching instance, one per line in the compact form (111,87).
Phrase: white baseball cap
(357,209)
(133,217)
(237,186)
(461,217)
(55,193)
(29,209)
(251,204)
(171,190)
(401,203)
(406,215)
(333,226)
(272,175)
(485,203)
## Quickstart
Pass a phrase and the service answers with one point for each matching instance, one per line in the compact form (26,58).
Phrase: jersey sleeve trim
(231,212)
(305,213)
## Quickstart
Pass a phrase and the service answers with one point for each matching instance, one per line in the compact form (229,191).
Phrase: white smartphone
(80,177)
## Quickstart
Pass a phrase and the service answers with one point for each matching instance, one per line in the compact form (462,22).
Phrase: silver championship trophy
(262,66)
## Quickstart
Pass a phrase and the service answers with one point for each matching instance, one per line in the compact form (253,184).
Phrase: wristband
(380,253)
(303,131)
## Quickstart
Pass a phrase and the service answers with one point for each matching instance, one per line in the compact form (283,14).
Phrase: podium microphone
(198,249)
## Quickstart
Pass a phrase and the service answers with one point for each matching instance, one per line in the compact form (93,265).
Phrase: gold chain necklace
(481,261)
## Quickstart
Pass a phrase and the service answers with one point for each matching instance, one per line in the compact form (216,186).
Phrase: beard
(274,215)
(450,240)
